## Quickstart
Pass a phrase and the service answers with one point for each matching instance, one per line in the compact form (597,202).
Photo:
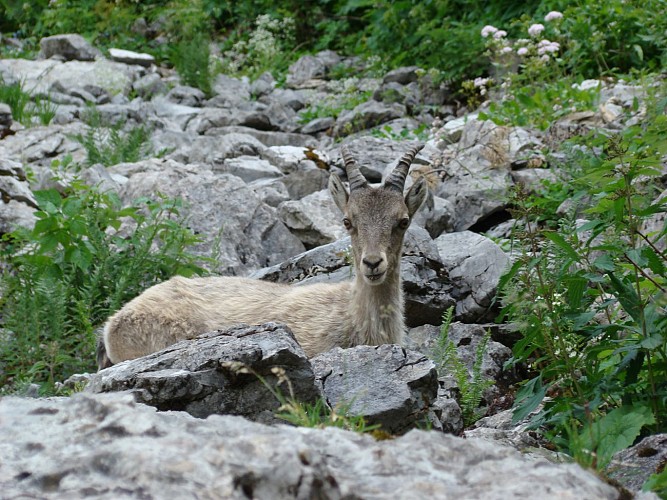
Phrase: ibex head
(377,218)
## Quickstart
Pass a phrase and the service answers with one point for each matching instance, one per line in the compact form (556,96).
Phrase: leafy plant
(191,58)
(471,384)
(85,257)
(110,144)
(23,109)
(589,299)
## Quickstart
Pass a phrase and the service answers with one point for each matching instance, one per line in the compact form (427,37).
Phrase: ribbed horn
(354,175)
(396,179)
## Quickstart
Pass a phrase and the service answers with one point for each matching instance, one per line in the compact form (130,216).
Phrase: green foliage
(539,107)
(472,385)
(23,109)
(85,257)
(589,298)
(657,483)
(191,58)
(110,144)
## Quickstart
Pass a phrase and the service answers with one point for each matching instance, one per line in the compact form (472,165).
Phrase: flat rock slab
(198,375)
(385,384)
(107,446)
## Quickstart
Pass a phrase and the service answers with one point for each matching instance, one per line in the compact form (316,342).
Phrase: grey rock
(149,85)
(267,137)
(476,173)
(229,92)
(131,57)
(264,84)
(38,76)
(271,191)
(319,125)
(288,158)
(403,75)
(533,178)
(69,47)
(248,168)
(385,384)
(436,219)
(314,219)
(365,116)
(14,214)
(186,96)
(202,377)
(174,116)
(304,182)
(120,448)
(205,149)
(474,264)
(305,68)
(295,99)
(40,145)
(15,189)
(633,466)
(230,217)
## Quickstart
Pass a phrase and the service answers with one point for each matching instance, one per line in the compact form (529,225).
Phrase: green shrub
(191,58)
(77,266)
(589,298)
(110,144)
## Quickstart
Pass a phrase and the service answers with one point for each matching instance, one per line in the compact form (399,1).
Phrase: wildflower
(499,34)
(488,30)
(480,82)
(522,51)
(553,15)
(535,29)
(545,46)
(506,50)
(544,58)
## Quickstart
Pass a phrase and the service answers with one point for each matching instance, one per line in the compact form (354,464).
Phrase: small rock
(130,57)
(68,47)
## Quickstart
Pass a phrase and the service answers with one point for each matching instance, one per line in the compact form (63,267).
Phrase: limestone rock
(68,46)
(385,384)
(198,376)
(118,448)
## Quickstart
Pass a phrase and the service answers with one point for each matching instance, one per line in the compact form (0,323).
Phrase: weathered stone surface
(131,57)
(267,137)
(39,76)
(229,216)
(14,214)
(248,168)
(367,115)
(403,75)
(385,384)
(476,173)
(633,466)
(474,264)
(5,117)
(117,448)
(314,219)
(304,182)
(68,46)
(199,375)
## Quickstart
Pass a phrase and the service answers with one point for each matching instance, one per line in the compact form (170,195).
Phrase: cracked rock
(385,384)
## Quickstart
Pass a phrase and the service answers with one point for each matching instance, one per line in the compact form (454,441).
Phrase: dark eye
(404,223)
(347,223)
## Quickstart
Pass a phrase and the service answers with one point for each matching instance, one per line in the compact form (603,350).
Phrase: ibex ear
(416,196)
(338,192)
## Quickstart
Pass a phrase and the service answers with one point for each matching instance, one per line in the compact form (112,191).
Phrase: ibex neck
(376,312)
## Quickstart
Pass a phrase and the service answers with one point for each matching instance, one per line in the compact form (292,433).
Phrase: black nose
(372,262)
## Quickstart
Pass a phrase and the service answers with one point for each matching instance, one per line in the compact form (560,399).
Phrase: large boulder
(229,372)
(386,384)
(231,219)
(108,446)
(69,46)
(474,264)
(314,219)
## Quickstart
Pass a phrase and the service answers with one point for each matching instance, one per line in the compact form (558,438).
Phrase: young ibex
(368,310)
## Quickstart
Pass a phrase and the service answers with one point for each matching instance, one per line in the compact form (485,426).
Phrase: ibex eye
(347,223)
(404,223)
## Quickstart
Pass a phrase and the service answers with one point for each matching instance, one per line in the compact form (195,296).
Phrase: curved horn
(396,179)
(354,175)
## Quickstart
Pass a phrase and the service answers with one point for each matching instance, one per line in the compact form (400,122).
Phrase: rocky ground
(253,171)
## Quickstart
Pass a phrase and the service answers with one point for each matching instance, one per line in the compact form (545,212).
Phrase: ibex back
(367,310)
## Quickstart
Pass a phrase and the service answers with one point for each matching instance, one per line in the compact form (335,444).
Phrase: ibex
(367,310)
